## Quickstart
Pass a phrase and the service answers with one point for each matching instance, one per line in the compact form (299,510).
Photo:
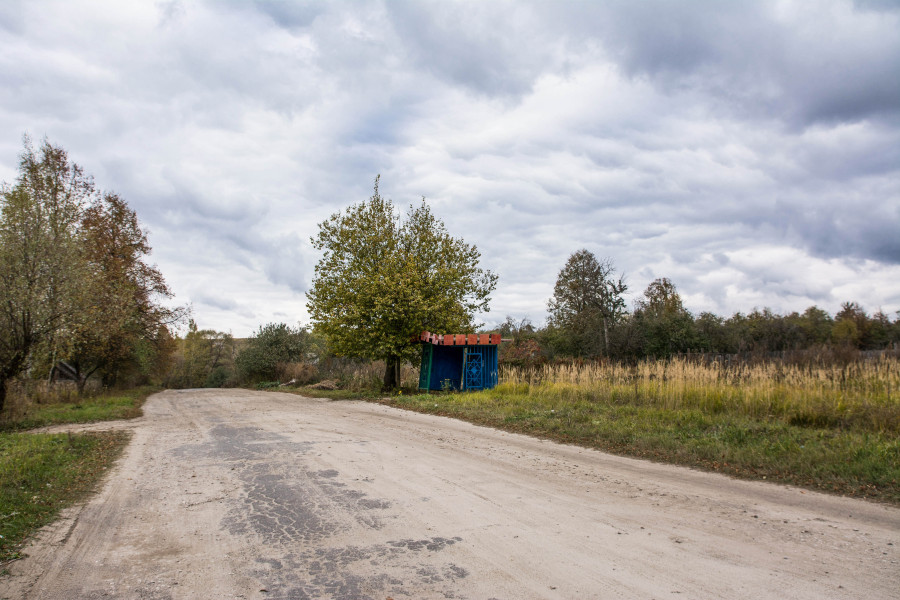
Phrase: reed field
(863,395)
(833,427)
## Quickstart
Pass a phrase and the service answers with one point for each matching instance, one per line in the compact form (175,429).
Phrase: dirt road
(237,494)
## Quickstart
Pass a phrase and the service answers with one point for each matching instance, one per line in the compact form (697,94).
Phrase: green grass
(106,407)
(853,462)
(822,426)
(41,474)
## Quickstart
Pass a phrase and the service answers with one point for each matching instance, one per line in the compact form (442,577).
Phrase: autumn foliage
(74,282)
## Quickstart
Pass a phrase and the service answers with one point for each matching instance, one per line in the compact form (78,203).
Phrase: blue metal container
(448,365)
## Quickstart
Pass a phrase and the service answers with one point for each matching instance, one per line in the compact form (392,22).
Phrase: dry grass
(365,377)
(298,373)
(827,427)
(863,395)
(24,397)
(59,407)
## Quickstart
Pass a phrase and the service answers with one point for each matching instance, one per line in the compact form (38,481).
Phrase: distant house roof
(64,371)
(460,339)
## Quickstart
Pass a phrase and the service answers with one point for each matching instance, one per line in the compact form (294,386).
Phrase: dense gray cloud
(749,151)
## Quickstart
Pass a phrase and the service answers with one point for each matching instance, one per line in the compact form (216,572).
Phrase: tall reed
(863,395)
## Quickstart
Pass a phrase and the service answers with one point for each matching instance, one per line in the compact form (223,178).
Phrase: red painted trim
(460,339)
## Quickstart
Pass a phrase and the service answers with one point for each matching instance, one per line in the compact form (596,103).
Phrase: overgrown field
(41,474)
(863,395)
(821,426)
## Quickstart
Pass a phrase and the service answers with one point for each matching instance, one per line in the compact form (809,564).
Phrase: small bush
(297,373)
(272,345)
(217,378)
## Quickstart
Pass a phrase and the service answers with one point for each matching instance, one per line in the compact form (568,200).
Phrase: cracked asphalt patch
(251,495)
(287,507)
(331,572)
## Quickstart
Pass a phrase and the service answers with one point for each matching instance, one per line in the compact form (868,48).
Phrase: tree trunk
(605,337)
(2,392)
(82,379)
(391,373)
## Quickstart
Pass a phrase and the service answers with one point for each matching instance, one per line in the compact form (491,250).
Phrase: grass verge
(856,463)
(40,474)
(106,407)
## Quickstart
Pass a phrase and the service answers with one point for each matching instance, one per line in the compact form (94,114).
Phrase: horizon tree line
(75,286)
(588,319)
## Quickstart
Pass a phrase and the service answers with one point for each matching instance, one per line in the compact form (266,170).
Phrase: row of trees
(383,279)
(589,318)
(208,358)
(76,288)
(75,284)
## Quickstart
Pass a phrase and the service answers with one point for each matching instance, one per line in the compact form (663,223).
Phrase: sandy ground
(238,494)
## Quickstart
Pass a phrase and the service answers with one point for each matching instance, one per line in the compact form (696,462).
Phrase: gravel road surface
(239,494)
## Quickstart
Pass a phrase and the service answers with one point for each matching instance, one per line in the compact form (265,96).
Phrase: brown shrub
(297,373)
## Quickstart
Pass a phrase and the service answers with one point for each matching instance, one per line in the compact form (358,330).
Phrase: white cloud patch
(749,151)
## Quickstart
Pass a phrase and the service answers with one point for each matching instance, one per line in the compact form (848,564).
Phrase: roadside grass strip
(861,461)
(41,474)
(106,407)
(331,394)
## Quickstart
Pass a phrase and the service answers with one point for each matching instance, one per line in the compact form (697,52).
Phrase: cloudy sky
(748,151)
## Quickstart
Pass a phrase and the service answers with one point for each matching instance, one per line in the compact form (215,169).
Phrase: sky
(748,151)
